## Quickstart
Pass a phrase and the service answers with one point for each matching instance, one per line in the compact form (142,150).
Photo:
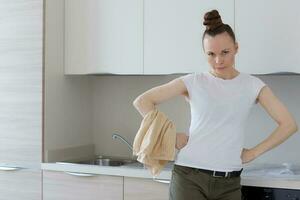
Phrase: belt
(221,174)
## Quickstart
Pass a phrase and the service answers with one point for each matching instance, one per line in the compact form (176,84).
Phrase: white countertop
(124,170)
(248,178)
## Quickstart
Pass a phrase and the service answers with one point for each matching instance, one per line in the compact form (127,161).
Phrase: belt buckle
(226,174)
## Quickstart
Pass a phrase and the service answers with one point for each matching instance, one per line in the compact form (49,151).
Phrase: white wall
(67,98)
(113,112)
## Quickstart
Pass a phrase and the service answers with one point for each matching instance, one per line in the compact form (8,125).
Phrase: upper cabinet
(268,34)
(137,37)
(173,34)
(103,36)
(164,36)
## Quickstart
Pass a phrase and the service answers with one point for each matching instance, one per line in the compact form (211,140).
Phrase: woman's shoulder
(250,77)
(192,80)
(195,76)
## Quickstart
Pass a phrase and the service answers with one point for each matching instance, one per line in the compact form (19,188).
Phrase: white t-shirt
(219,111)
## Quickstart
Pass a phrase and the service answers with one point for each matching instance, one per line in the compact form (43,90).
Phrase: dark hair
(215,26)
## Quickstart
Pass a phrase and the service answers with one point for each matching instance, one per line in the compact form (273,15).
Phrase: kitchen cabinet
(103,36)
(164,36)
(21,184)
(173,34)
(21,75)
(145,189)
(268,34)
(78,186)
(136,37)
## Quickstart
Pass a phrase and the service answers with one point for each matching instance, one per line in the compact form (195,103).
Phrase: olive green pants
(191,184)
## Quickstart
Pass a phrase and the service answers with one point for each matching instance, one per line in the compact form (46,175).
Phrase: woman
(209,163)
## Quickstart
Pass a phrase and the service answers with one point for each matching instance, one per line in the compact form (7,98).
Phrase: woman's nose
(219,60)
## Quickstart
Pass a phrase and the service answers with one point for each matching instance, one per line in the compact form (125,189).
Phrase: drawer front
(63,186)
(21,184)
(145,189)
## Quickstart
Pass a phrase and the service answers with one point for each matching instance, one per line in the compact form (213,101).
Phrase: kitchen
(74,114)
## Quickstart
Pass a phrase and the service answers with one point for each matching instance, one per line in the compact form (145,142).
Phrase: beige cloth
(154,143)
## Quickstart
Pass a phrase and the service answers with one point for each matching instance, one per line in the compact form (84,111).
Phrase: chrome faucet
(117,136)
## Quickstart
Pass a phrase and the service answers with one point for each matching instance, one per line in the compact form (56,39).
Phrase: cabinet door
(145,189)
(173,34)
(103,36)
(268,34)
(76,186)
(21,184)
(21,68)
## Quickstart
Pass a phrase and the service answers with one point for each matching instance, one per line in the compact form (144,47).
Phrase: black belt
(221,174)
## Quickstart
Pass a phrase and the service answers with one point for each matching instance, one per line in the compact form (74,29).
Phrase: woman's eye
(225,52)
(210,54)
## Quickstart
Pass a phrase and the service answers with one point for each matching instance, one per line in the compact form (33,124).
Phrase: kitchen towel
(154,143)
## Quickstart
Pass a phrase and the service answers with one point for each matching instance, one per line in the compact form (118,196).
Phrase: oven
(263,193)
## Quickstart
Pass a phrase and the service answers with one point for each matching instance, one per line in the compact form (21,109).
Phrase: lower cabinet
(145,189)
(20,184)
(77,186)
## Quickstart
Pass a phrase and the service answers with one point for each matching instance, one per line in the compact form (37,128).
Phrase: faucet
(117,136)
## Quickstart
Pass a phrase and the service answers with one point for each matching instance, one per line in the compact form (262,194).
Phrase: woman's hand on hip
(181,140)
(248,155)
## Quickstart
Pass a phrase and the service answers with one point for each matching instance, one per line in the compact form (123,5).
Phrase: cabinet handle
(161,181)
(81,174)
(8,168)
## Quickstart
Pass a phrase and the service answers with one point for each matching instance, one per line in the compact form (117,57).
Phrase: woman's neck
(226,74)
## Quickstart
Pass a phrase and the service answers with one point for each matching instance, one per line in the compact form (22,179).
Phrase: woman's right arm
(147,101)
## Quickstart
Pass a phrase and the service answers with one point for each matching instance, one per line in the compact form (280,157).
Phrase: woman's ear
(236,46)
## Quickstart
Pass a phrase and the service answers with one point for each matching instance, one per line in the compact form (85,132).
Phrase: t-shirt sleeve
(257,85)
(188,81)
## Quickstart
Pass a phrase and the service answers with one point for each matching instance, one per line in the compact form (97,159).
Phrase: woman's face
(220,51)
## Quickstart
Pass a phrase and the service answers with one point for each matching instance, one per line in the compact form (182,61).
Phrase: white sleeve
(257,85)
(188,81)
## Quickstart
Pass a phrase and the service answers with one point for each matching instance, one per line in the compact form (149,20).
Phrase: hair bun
(212,20)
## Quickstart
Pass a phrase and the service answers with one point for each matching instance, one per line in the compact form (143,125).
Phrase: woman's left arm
(286,125)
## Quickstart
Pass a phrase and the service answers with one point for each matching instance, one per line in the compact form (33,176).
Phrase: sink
(112,161)
(105,161)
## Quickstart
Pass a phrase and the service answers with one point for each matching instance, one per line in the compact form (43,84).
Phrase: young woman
(209,163)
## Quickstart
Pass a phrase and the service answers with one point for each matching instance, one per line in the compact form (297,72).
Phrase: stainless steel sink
(105,161)
(112,161)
